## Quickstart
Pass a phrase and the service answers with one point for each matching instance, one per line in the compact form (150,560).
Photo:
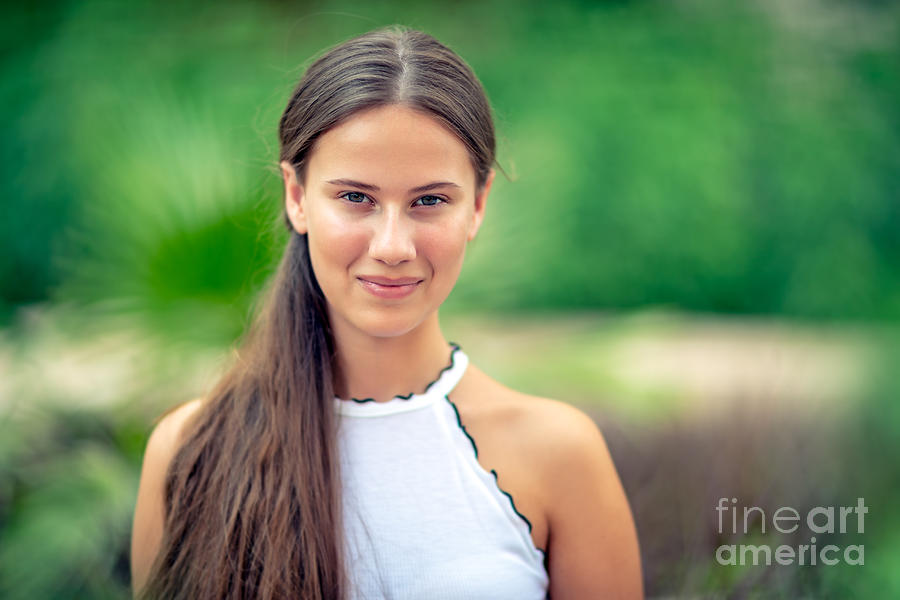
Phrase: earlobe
(481,197)
(293,197)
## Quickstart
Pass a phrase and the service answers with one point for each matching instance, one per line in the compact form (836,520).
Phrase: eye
(429,201)
(354,197)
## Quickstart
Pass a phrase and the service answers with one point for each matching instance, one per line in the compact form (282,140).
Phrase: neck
(385,367)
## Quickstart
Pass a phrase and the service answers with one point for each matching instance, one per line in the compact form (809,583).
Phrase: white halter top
(423,519)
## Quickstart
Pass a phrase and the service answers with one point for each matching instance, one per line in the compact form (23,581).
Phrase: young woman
(352,451)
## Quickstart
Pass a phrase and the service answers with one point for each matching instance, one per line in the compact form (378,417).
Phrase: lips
(389,288)
(390,281)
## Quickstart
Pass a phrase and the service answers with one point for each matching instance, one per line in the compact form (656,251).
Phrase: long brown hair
(252,497)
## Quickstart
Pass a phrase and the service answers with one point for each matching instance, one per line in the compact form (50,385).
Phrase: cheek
(334,244)
(444,247)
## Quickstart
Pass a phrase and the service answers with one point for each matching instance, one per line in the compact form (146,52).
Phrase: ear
(293,197)
(481,197)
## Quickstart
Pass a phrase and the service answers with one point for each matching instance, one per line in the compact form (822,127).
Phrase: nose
(392,241)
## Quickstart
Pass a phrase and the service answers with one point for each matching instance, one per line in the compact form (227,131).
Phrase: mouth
(385,287)
(389,281)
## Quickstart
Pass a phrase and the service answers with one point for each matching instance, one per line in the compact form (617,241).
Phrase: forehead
(391,147)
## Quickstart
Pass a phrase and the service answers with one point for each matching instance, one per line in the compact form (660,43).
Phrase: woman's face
(388,205)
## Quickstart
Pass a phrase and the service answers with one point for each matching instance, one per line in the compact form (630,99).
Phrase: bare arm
(149,517)
(593,546)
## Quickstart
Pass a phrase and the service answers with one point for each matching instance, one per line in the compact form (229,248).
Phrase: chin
(383,323)
(389,326)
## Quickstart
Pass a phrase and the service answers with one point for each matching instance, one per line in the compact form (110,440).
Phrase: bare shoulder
(593,547)
(563,427)
(568,440)
(551,431)
(549,442)
(170,426)
(562,443)
(149,511)
(166,438)
(592,541)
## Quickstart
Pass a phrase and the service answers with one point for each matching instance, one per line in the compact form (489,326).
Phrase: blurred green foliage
(69,480)
(736,157)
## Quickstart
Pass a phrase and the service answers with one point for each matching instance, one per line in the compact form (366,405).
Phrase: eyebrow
(375,188)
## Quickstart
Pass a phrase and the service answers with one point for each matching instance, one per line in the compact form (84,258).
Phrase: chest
(424,519)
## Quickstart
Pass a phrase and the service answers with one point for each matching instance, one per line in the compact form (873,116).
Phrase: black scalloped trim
(512,502)
(453,345)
